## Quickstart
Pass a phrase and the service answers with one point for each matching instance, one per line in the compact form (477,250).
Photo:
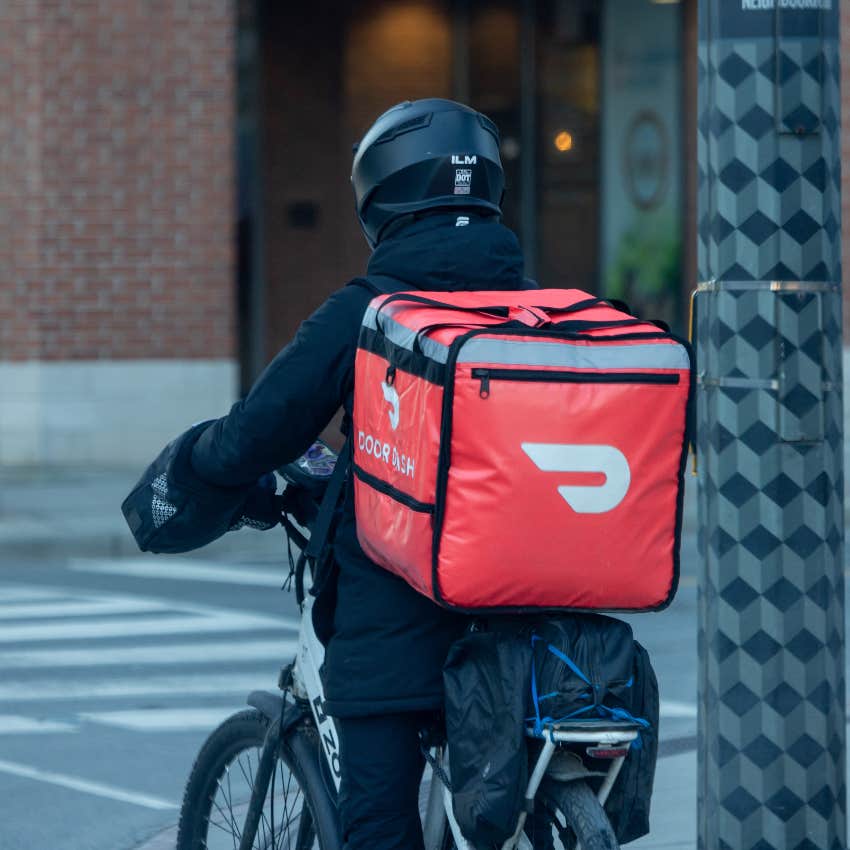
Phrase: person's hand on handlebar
(262,508)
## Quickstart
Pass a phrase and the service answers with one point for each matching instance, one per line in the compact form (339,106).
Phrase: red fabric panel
(511,539)
(394,536)
(404,457)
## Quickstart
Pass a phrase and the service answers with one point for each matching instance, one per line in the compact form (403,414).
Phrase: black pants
(382,767)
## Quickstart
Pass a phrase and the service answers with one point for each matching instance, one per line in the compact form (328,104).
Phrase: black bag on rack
(486,678)
(589,666)
(582,666)
(628,803)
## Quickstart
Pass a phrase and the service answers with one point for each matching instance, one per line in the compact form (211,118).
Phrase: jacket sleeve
(291,402)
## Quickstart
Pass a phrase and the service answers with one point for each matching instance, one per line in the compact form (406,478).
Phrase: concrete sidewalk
(76,512)
(673,817)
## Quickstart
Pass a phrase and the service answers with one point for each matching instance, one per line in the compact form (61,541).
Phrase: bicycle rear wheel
(298,815)
(582,817)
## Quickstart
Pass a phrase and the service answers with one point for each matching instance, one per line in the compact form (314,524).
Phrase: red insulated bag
(520,450)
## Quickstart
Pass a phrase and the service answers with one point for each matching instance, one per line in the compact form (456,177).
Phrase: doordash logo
(566,457)
(391,396)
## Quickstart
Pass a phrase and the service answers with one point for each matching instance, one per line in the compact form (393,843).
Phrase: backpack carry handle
(495,312)
(590,325)
(498,311)
(508,316)
(584,304)
(539,315)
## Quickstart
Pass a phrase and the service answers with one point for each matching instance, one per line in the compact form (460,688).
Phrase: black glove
(172,510)
(262,508)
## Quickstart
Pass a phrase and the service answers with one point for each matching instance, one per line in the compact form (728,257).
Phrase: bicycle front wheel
(297,811)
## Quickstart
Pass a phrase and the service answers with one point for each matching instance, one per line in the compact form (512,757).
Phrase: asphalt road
(113,671)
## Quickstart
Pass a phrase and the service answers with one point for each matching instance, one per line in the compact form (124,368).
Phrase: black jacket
(385,642)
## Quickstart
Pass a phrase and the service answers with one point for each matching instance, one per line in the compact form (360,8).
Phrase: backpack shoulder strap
(321,531)
(379,284)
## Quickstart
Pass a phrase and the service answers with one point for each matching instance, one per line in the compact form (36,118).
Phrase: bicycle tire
(584,815)
(244,733)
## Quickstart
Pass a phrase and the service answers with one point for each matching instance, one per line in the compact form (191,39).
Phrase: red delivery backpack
(516,451)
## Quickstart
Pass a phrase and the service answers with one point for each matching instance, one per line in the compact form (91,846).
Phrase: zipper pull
(390,378)
(484,376)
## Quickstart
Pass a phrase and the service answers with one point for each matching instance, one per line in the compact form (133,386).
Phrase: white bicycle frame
(439,813)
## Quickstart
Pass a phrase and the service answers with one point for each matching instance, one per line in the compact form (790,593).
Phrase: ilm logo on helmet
(391,396)
(466,159)
(565,457)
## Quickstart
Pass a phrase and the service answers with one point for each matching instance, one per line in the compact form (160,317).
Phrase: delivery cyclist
(428,185)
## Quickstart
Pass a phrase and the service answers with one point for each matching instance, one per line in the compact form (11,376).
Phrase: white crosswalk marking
(14,724)
(236,651)
(26,594)
(77,609)
(51,690)
(82,668)
(169,653)
(108,627)
(77,784)
(163,719)
(182,570)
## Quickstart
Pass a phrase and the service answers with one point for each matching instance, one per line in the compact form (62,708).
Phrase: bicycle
(268,777)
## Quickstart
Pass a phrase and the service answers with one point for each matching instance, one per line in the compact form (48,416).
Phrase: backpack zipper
(565,377)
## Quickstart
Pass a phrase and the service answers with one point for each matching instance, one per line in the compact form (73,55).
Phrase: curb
(163,840)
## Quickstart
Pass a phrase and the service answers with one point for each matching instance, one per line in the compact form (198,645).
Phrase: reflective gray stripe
(499,352)
(507,352)
(404,336)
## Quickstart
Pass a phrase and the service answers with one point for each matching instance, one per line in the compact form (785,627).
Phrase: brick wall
(116,179)
(19,173)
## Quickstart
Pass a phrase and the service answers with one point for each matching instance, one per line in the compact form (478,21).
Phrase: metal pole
(770,442)
(528,135)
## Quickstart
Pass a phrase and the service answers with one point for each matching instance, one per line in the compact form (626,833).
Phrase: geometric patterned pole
(770,421)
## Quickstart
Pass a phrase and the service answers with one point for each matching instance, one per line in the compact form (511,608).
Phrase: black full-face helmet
(426,155)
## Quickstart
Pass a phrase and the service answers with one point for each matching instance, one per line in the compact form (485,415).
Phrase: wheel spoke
(249,776)
(290,814)
(284,818)
(289,810)
(234,829)
(228,816)
(237,833)
(261,829)
(266,825)
(228,831)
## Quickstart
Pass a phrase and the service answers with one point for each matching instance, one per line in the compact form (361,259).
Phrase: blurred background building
(174,193)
